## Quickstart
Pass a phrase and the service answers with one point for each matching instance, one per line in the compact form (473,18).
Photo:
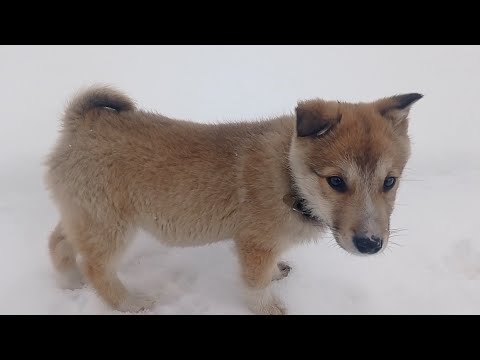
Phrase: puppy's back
(115,161)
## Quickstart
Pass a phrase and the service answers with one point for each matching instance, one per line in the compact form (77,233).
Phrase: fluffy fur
(116,169)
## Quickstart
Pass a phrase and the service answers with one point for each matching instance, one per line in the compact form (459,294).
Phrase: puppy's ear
(397,108)
(316,118)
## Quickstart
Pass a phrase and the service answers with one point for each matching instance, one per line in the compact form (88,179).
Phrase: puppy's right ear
(315,118)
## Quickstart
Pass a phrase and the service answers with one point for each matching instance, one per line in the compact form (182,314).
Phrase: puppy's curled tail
(96,97)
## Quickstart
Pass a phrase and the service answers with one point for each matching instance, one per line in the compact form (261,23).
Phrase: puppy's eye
(389,183)
(337,183)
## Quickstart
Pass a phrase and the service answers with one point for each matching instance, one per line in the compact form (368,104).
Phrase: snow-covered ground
(435,269)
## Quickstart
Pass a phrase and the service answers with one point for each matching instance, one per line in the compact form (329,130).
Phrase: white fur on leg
(263,302)
(70,279)
(136,302)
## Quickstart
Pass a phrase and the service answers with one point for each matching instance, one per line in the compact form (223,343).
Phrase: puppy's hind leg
(63,258)
(100,246)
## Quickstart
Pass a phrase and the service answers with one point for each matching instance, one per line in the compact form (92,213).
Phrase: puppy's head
(347,160)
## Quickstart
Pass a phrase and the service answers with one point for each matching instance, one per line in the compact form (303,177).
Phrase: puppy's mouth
(339,240)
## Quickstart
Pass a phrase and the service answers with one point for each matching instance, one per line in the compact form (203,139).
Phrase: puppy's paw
(136,302)
(272,308)
(70,280)
(282,270)
(262,302)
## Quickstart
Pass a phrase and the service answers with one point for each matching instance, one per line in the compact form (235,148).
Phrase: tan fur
(116,169)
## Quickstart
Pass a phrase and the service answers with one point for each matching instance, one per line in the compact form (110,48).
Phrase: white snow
(434,270)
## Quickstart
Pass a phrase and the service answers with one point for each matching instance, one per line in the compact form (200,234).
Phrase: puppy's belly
(186,234)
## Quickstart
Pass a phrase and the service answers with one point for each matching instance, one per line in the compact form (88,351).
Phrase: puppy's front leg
(258,267)
(281,271)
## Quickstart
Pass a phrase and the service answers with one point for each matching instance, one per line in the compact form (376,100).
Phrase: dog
(267,185)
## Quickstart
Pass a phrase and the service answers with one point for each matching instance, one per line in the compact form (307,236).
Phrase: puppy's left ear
(397,108)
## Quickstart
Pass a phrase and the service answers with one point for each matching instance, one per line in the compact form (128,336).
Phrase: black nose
(368,245)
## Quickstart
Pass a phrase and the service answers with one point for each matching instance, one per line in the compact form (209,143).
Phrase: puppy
(267,185)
